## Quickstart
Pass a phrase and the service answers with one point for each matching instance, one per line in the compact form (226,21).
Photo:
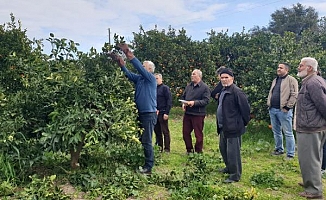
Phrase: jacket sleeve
(244,107)
(317,93)
(217,90)
(141,70)
(270,93)
(293,84)
(131,76)
(168,98)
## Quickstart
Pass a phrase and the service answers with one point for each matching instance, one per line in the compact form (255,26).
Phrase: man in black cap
(233,114)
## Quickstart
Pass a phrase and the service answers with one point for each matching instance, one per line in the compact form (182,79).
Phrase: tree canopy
(295,19)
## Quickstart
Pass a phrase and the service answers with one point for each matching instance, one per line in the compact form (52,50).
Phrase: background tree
(175,56)
(13,40)
(257,29)
(295,19)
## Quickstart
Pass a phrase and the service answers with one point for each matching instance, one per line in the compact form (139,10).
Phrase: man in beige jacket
(281,99)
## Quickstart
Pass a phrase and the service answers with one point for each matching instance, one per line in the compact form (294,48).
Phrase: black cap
(226,71)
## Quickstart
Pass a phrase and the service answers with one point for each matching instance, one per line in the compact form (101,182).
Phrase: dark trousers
(147,122)
(162,133)
(230,151)
(323,165)
(196,123)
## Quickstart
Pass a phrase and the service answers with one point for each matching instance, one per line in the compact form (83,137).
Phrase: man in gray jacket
(281,99)
(310,127)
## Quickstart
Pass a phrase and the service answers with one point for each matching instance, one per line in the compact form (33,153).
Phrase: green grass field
(110,173)
(264,175)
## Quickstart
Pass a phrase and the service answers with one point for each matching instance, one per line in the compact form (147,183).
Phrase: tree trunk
(75,154)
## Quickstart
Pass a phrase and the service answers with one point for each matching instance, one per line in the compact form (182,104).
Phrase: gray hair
(151,64)
(311,62)
(159,75)
(200,74)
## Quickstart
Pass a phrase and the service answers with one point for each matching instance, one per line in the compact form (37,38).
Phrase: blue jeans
(147,122)
(282,121)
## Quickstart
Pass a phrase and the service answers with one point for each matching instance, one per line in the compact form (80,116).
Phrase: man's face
(147,67)
(282,70)
(195,77)
(158,80)
(303,70)
(226,79)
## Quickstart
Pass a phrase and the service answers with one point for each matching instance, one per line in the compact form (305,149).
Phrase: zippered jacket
(311,105)
(288,95)
(235,112)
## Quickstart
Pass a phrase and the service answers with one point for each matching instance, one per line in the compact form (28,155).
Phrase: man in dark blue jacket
(233,114)
(164,104)
(145,98)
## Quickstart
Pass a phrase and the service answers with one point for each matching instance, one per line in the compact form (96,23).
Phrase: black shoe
(145,171)
(277,153)
(230,181)
(223,171)
(289,158)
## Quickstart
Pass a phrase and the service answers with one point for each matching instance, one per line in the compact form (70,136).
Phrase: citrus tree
(64,102)
(175,56)
(91,101)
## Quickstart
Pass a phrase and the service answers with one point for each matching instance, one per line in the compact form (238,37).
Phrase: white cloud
(88,21)
(320,7)
(246,6)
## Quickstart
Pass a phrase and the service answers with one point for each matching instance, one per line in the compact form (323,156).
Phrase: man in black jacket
(233,114)
(196,97)
(164,104)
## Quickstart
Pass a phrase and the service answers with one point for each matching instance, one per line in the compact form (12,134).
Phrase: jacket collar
(229,89)
(308,77)
(200,83)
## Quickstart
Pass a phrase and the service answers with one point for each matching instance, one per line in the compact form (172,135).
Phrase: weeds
(111,173)
(267,179)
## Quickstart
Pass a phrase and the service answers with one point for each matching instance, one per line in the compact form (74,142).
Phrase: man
(233,114)
(310,118)
(164,104)
(219,86)
(196,96)
(281,99)
(145,98)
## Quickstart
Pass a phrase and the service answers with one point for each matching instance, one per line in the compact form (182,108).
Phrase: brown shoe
(310,195)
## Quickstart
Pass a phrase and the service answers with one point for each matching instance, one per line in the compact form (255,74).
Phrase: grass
(257,144)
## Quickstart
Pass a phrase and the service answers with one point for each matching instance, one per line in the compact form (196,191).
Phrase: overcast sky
(87,21)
